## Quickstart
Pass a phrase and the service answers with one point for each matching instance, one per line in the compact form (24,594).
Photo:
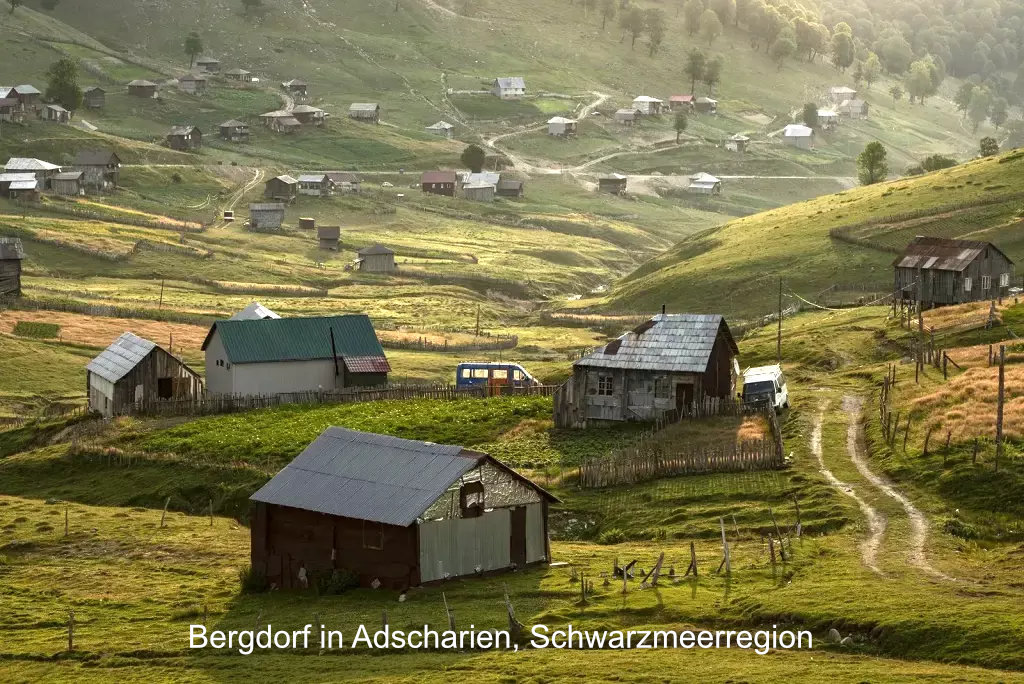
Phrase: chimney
(662,309)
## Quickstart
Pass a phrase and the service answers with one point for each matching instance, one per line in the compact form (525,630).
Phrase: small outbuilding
(185,138)
(939,271)
(11,256)
(316,184)
(234,130)
(479,192)
(441,128)
(828,118)
(142,88)
(283,187)
(94,97)
(296,88)
(133,371)
(364,111)
(439,182)
(376,259)
(509,187)
(328,237)
(854,109)
(614,183)
(650,106)
(193,84)
(704,184)
(705,105)
(68,183)
(626,117)
(280,121)
(208,65)
(840,93)
(308,114)
(798,135)
(55,113)
(237,74)
(266,216)
(737,143)
(508,87)
(345,181)
(683,102)
(561,126)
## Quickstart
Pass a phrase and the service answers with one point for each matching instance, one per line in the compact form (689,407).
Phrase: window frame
(605,385)
(968,283)
(379,533)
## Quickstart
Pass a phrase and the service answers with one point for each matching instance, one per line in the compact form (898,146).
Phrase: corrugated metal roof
(26,89)
(117,360)
(679,343)
(12,177)
(645,98)
(367,476)
(297,339)
(237,72)
(24,185)
(184,130)
(703,178)
(561,120)
(797,131)
(363,107)
(440,126)
(482,178)
(942,254)
(306,109)
(267,206)
(141,83)
(312,178)
(511,82)
(254,312)
(10,248)
(367,364)
(28,164)
(295,82)
(234,123)
(343,176)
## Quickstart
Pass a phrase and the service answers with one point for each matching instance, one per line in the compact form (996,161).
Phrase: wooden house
(280,121)
(266,216)
(508,87)
(28,95)
(253,312)
(627,116)
(10,109)
(828,119)
(193,84)
(185,138)
(705,105)
(94,97)
(396,513)
(68,183)
(737,143)
(704,184)
(316,185)
(442,128)
(840,93)
(142,88)
(283,188)
(308,114)
(509,187)
(19,186)
(234,131)
(274,356)
(681,102)
(101,168)
(439,182)
(854,109)
(614,183)
(11,256)
(296,88)
(208,65)
(134,370)
(238,75)
(664,366)
(798,135)
(55,113)
(345,181)
(649,106)
(328,237)
(561,126)
(376,259)
(43,171)
(479,192)
(364,111)
(938,271)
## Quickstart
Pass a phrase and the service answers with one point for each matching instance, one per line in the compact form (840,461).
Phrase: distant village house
(142,88)
(193,84)
(509,87)
(509,187)
(704,184)
(439,182)
(283,187)
(376,259)
(626,117)
(296,87)
(308,114)
(238,75)
(185,138)
(316,185)
(345,181)
(101,168)
(11,255)
(94,97)
(208,65)
(42,170)
(561,126)
(364,111)
(266,216)
(798,135)
(938,271)
(650,106)
(737,143)
(705,105)
(854,109)
(234,131)
(614,183)
(683,102)
(442,128)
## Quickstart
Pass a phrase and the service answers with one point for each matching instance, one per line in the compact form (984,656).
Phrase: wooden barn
(614,183)
(284,188)
(662,367)
(293,355)
(509,87)
(704,184)
(316,185)
(68,183)
(308,114)
(395,512)
(193,84)
(442,128)
(296,88)
(266,215)
(234,131)
(101,168)
(11,255)
(55,113)
(376,259)
(345,181)
(238,75)
(185,138)
(134,370)
(364,111)
(94,97)
(142,88)
(328,237)
(208,65)
(939,271)
(509,187)
(439,182)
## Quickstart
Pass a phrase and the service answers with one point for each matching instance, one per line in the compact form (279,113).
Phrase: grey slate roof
(29,164)
(943,254)
(114,362)
(363,107)
(375,249)
(96,157)
(680,343)
(10,248)
(511,82)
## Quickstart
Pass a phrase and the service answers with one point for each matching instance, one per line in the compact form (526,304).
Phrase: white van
(766,384)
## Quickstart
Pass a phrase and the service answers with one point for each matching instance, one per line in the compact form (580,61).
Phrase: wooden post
(693,561)
(725,550)
(211,512)
(161,305)
(71,631)
(163,516)
(927,438)
(448,612)
(799,525)
(906,433)
(771,549)
(778,340)
(974,454)
(65,520)
(945,360)
(999,405)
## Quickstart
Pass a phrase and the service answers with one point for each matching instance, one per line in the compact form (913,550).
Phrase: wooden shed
(68,183)
(704,184)
(208,65)
(442,128)
(266,216)
(142,88)
(134,370)
(185,138)
(328,237)
(509,187)
(193,84)
(55,113)
(238,75)
(296,88)
(345,181)
(316,185)
(938,271)
(11,255)
(561,126)
(664,366)
(508,87)
(364,111)
(283,187)
(234,131)
(376,259)
(614,183)
(396,513)
(94,97)
(101,168)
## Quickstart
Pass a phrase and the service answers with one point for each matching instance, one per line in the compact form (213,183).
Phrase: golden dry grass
(99,331)
(966,405)
(977,356)
(959,315)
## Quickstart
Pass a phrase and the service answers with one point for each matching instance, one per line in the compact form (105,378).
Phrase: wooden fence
(495,343)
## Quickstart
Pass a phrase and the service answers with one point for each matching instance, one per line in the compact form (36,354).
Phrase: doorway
(684,399)
(517,543)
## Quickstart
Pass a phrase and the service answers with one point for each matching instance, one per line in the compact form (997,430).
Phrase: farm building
(854,109)
(234,131)
(840,93)
(316,184)
(192,84)
(266,216)
(508,187)
(27,95)
(134,370)
(280,121)
(561,126)
(55,113)
(10,108)
(364,111)
(11,255)
(442,128)
(704,184)
(651,106)
(328,237)
(626,117)
(102,168)
(345,181)
(737,142)
(705,105)
(684,102)
(376,259)
(94,97)
(508,87)
(296,87)
(938,271)
(185,138)
(284,188)
(237,74)
(396,513)
(68,183)
(285,355)
(664,365)
(19,185)
(798,135)
(827,118)
(439,182)
(254,312)
(42,170)
(308,114)
(142,88)
(614,183)
(208,65)
(479,192)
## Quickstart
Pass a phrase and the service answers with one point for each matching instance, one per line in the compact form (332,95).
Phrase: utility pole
(778,340)
(999,406)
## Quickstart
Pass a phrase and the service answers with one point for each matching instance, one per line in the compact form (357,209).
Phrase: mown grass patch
(36,329)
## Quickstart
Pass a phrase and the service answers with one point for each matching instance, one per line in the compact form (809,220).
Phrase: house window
(165,388)
(986,283)
(661,388)
(471,499)
(605,385)
(1004,280)
(373,535)
(967,284)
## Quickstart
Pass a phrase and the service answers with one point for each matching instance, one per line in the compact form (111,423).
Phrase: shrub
(252,581)
(959,528)
(611,536)
(176,177)
(335,582)
(36,329)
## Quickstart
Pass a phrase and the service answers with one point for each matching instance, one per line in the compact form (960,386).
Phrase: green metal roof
(297,339)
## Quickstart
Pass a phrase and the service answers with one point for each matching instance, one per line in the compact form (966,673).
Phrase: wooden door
(517,542)
(684,399)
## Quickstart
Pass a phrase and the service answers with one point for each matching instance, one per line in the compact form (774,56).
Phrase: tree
(962,99)
(935,162)
(783,47)
(15,4)
(632,22)
(725,9)
(998,114)
(692,11)
(193,46)
(654,24)
(842,50)
(607,12)
(710,26)
(977,110)
(712,73)
(810,115)
(695,63)
(871,166)
(473,158)
(897,94)
(62,84)
(871,69)
(679,124)
(919,81)
(988,147)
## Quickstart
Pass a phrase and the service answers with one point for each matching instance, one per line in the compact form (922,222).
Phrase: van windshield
(760,387)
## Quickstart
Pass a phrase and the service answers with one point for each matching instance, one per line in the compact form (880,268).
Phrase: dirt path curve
(853,406)
(876,521)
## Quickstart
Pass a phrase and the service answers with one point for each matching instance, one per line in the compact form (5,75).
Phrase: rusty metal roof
(438,177)
(942,254)
(679,343)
